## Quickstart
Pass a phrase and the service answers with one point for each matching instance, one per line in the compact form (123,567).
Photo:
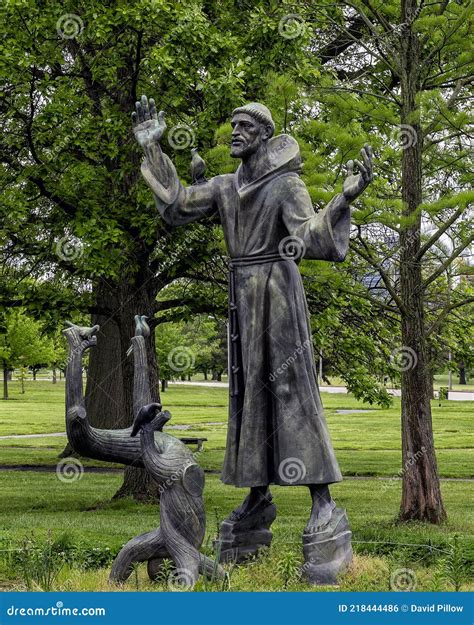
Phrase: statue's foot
(321,514)
(253,503)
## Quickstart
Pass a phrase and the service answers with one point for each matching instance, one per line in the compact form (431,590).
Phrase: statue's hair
(259,112)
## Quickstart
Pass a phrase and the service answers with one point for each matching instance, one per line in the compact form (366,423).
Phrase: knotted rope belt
(235,364)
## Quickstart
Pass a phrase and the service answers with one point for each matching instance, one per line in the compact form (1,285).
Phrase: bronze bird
(146,416)
(84,333)
(141,329)
(141,326)
(198,167)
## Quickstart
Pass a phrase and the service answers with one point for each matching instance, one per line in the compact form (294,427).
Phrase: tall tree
(75,206)
(401,72)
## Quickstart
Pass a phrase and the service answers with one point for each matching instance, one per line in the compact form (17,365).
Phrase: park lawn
(81,515)
(439,380)
(82,519)
(366,443)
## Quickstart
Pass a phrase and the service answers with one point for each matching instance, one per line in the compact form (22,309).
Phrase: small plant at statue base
(452,565)
(166,572)
(213,581)
(39,565)
(135,567)
(288,568)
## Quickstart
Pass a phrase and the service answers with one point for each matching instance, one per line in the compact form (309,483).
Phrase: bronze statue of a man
(277,432)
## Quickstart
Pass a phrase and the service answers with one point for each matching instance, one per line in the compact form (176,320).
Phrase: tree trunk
(34,374)
(205,374)
(5,380)
(138,298)
(421,494)
(163,385)
(104,396)
(462,373)
(55,379)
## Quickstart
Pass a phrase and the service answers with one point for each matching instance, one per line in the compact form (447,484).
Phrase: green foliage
(453,566)
(22,343)
(198,345)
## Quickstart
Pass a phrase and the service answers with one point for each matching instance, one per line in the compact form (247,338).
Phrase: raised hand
(354,184)
(148,126)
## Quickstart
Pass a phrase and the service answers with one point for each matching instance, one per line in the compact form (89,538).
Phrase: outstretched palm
(148,126)
(354,184)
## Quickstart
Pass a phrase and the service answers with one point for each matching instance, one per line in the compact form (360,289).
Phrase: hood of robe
(284,157)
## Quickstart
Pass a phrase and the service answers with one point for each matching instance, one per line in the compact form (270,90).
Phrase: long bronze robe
(277,432)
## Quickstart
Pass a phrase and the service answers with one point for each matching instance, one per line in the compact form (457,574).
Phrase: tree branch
(447,262)
(445,312)
(432,240)
(367,256)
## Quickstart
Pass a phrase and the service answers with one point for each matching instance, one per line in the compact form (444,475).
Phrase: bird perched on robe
(146,416)
(198,167)
(141,329)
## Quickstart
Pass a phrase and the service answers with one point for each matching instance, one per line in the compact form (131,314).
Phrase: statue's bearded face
(247,135)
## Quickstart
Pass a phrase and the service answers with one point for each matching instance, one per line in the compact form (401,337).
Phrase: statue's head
(252,125)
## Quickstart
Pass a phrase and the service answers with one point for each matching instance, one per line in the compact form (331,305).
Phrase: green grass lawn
(439,380)
(81,519)
(366,443)
(80,514)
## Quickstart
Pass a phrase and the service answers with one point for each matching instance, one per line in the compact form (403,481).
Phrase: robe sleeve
(325,235)
(178,205)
